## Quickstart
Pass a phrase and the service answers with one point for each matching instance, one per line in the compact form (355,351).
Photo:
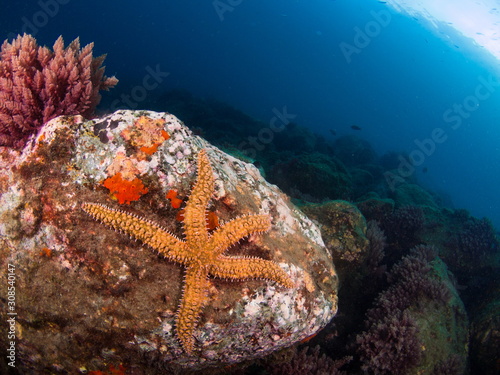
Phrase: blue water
(403,86)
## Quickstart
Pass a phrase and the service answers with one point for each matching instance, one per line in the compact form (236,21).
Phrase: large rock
(87,296)
(314,176)
(343,229)
(418,325)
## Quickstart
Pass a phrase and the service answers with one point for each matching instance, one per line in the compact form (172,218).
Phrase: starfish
(201,252)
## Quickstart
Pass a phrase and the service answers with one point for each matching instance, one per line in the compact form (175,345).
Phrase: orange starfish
(201,253)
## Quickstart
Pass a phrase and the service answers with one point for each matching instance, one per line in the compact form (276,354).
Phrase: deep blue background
(263,54)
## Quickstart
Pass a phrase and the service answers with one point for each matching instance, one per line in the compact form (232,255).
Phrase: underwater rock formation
(404,226)
(354,151)
(470,248)
(375,208)
(418,322)
(313,175)
(413,195)
(308,361)
(343,228)
(88,296)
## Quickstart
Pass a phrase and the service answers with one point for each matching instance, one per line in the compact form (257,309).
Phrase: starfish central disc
(200,252)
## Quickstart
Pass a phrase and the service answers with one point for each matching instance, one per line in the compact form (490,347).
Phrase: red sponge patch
(124,190)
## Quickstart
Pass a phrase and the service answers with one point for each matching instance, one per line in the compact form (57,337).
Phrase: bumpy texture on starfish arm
(201,252)
(142,229)
(250,268)
(195,211)
(194,295)
(233,231)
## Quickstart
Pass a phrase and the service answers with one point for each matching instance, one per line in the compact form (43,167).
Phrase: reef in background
(317,172)
(400,250)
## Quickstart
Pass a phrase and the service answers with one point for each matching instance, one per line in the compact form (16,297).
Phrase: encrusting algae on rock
(101,298)
(200,253)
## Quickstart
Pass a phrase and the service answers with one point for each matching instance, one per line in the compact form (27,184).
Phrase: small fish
(355,127)
(424,170)
(333,132)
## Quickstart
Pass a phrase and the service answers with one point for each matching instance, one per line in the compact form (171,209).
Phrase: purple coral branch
(390,344)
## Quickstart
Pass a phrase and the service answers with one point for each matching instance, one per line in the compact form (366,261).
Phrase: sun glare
(478,20)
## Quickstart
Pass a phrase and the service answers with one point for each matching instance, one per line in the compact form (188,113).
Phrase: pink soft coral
(37,84)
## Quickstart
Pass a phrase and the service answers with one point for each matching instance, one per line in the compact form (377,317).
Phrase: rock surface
(443,328)
(87,296)
(343,229)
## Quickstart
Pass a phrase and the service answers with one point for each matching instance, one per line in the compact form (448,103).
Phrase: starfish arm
(194,295)
(195,211)
(142,229)
(234,230)
(250,268)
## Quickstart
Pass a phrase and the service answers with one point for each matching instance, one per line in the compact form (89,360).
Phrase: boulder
(86,296)
(343,229)
(313,176)
(413,195)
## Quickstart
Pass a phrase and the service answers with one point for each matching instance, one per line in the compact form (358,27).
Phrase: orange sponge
(174,201)
(124,190)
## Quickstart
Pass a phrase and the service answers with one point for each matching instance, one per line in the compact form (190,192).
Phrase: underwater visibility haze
(396,72)
(381,121)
